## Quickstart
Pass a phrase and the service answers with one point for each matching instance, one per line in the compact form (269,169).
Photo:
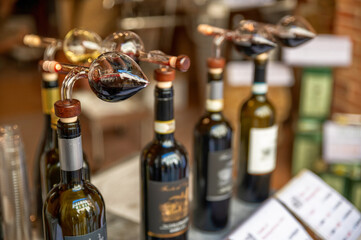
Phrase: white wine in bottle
(258,139)
(74,209)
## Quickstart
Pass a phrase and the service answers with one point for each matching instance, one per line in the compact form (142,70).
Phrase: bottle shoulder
(64,199)
(209,120)
(211,125)
(257,106)
(155,152)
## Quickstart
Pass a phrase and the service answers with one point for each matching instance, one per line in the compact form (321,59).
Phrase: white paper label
(341,143)
(262,150)
(321,208)
(271,221)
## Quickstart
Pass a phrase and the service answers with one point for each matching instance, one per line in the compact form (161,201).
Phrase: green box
(356,194)
(316,92)
(307,145)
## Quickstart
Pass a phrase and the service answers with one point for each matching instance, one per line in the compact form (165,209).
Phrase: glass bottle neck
(50,94)
(214,102)
(259,86)
(165,137)
(71,177)
(70,147)
(164,124)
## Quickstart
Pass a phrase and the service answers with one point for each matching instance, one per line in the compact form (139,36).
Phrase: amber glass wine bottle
(50,164)
(164,174)
(258,139)
(74,209)
(50,94)
(212,169)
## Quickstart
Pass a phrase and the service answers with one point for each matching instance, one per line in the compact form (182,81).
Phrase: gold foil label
(49,97)
(168,208)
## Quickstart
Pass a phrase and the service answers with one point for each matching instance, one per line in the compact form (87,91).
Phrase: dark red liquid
(253,49)
(117,86)
(293,42)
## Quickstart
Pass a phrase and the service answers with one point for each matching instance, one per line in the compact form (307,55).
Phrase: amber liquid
(116,87)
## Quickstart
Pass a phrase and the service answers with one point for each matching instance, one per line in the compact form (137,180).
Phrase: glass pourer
(130,43)
(112,76)
(253,38)
(249,38)
(79,45)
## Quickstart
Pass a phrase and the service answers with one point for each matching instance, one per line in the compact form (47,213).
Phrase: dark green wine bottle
(50,94)
(50,164)
(212,169)
(164,177)
(74,209)
(258,139)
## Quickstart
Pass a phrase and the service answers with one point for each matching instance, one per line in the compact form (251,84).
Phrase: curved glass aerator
(129,43)
(292,31)
(249,38)
(112,76)
(253,38)
(79,45)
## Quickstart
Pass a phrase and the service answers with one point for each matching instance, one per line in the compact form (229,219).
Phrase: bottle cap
(182,63)
(67,108)
(164,74)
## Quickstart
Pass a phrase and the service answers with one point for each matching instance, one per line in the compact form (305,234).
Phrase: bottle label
(262,150)
(99,234)
(219,180)
(259,88)
(168,208)
(164,127)
(49,97)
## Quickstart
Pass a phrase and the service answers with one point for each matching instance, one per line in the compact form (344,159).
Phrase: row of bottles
(75,208)
(257,140)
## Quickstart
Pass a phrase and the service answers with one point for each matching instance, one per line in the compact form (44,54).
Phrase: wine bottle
(212,169)
(258,139)
(164,172)
(50,164)
(74,209)
(50,94)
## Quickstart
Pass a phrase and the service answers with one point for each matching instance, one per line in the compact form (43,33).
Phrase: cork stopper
(216,62)
(32,40)
(164,74)
(67,108)
(50,66)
